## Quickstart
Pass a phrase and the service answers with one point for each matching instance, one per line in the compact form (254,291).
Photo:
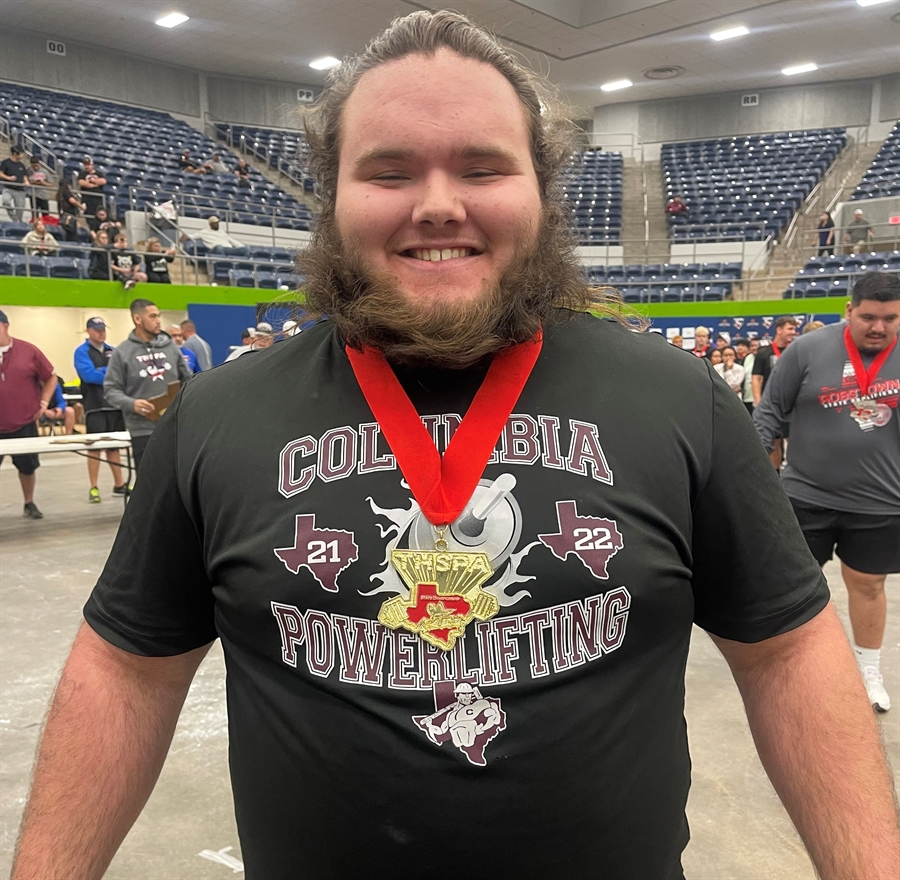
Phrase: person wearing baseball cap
(27,384)
(91,360)
(858,234)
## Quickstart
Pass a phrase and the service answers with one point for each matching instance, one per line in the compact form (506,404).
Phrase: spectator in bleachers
(216,165)
(98,265)
(825,235)
(39,241)
(174,330)
(730,370)
(91,183)
(187,164)
(214,237)
(14,175)
(156,262)
(858,234)
(69,207)
(242,172)
(125,263)
(676,207)
(197,344)
(38,180)
(101,220)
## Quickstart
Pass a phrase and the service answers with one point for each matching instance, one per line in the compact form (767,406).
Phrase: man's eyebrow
(468,152)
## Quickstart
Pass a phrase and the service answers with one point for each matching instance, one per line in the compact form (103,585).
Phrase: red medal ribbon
(776,350)
(443,486)
(864,377)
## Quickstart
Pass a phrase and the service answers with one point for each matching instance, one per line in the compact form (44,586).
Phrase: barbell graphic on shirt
(490,523)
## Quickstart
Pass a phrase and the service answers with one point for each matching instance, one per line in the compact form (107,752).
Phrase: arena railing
(225,209)
(296,171)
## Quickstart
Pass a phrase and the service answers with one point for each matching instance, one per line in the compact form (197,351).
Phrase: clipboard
(162,401)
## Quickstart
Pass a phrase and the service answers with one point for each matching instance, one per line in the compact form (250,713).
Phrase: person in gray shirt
(839,388)
(140,370)
(197,344)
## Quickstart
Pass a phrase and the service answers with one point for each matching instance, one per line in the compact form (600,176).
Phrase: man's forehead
(429,89)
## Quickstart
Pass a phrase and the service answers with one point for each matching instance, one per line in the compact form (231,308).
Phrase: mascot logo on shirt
(463,717)
(490,525)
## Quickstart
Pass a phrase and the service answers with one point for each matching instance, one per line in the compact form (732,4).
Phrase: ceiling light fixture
(325,63)
(800,68)
(870,2)
(170,21)
(616,85)
(730,33)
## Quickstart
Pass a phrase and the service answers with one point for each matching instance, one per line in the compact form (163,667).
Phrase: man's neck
(143,335)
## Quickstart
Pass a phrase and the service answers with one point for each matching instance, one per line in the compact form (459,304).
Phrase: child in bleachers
(125,263)
(37,177)
(98,266)
(156,262)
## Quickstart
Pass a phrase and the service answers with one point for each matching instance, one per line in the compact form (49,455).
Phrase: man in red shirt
(27,383)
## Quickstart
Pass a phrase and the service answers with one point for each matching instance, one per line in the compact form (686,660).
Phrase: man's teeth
(433,255)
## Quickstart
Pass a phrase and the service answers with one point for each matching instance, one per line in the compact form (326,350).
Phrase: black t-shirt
(90,176)
(550,742)
(157,263)
(92,395)
(185,163)
(764,363)
(13,169)
(124,259)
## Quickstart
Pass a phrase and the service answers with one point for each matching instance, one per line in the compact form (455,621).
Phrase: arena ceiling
(581,44)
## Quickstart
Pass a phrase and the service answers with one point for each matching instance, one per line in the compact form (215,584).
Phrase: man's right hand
(143,407)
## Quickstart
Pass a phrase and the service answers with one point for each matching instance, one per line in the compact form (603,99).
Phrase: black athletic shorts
(869,543)
(24,464)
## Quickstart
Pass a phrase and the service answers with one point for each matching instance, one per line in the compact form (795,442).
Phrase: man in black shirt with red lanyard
(455,584)
(763,364)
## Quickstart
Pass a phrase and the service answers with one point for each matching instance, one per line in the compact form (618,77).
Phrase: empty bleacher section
(281,150)
(670,282)
(138,151)
(594,190)
(746,187)
(883,176)
(834,276)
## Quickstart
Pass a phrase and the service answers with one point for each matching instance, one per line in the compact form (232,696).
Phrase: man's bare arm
(817,738)
(757,389)
(106,738)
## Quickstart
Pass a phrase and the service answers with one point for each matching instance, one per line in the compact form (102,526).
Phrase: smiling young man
(839,388)
(454,568)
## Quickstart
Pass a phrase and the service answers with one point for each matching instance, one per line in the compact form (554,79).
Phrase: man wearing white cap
(858,234)
(214,237)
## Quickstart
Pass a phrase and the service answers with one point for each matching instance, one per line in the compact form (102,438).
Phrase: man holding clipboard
(144,375)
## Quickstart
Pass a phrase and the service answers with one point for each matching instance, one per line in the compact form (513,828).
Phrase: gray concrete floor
(47,569)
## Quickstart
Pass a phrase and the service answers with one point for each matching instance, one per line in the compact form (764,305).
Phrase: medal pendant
(445,594)
(866,406)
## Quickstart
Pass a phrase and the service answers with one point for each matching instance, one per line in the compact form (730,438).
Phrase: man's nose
(439,201)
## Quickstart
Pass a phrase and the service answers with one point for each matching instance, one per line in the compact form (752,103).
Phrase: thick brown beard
(368,309)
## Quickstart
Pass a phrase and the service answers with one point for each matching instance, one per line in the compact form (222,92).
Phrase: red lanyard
(864,377)
(443,486)
(776,351)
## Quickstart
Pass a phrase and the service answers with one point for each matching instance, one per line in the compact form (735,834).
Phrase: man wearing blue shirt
(91,360)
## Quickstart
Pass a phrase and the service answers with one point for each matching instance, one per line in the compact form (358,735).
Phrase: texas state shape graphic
(325,553)
(592,539)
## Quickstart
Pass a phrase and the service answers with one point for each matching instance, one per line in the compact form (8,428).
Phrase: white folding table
(77,443)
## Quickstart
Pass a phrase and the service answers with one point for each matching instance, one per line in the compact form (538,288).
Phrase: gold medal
(445,593)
